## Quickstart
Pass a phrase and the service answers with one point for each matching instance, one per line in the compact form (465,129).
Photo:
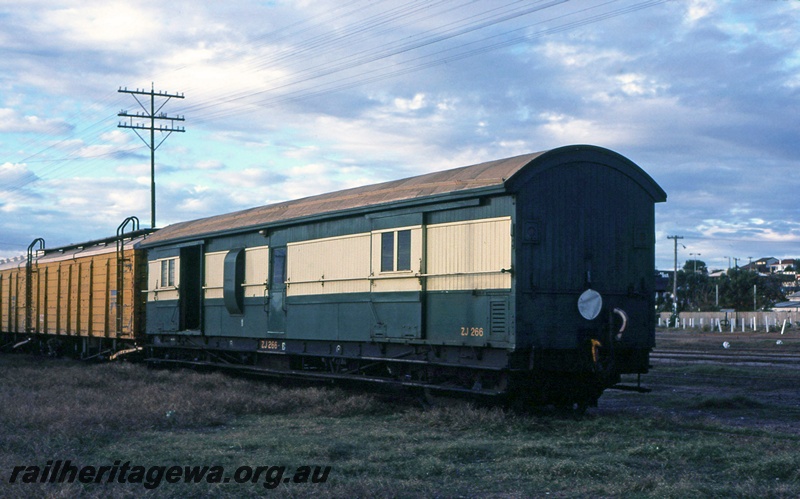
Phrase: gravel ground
(758,397)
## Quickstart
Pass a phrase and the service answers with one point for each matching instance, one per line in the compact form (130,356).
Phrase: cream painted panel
(328,266)
(256,271)
(469,255)
(153,274)
(177,276)
(155,290)
(215,276)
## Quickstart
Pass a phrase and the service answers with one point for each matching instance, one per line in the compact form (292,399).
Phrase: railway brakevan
(528,278)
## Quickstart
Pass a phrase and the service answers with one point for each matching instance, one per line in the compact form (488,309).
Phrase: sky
(285,99)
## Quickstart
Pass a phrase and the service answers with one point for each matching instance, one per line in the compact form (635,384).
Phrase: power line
(385,51)
(332,74)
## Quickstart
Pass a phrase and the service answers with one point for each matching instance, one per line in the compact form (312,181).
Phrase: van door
(396,294)
(191,288)
(276,307)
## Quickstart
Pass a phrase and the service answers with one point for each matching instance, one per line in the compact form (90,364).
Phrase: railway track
(664,355)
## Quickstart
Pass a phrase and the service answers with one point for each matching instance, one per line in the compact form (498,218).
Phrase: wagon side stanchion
(134,222)
(29,271)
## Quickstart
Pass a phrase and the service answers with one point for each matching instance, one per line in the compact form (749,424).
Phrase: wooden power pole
(139,121)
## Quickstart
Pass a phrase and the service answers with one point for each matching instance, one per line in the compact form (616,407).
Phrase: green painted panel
(470,318)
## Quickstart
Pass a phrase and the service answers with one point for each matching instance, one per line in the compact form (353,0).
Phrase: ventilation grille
(498,318)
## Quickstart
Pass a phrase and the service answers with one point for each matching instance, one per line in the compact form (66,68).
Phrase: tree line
(739,289)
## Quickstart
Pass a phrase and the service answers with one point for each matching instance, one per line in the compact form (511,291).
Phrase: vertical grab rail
(134,222)
(29,284)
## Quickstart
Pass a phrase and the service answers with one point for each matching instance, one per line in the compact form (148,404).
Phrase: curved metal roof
(454,183)
(468,178)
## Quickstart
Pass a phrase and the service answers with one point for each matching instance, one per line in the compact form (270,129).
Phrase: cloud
(211,164)
(11,121)
(108,24)
(13,173)
(414,104)
(698,9)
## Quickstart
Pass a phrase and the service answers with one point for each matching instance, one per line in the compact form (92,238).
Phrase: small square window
(396,251)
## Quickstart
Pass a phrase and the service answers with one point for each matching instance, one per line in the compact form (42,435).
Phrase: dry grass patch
(376,447)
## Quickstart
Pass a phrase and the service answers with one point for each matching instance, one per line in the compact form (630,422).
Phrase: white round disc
(589,304)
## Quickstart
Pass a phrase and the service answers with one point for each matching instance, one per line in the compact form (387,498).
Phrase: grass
(376,447)
(731,403)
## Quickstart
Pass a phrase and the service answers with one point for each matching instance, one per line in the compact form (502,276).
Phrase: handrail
(29,284)
(131,220)
(121,269)
(399,275)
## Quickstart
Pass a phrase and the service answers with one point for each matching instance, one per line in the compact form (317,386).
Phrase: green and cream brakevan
(529,278)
